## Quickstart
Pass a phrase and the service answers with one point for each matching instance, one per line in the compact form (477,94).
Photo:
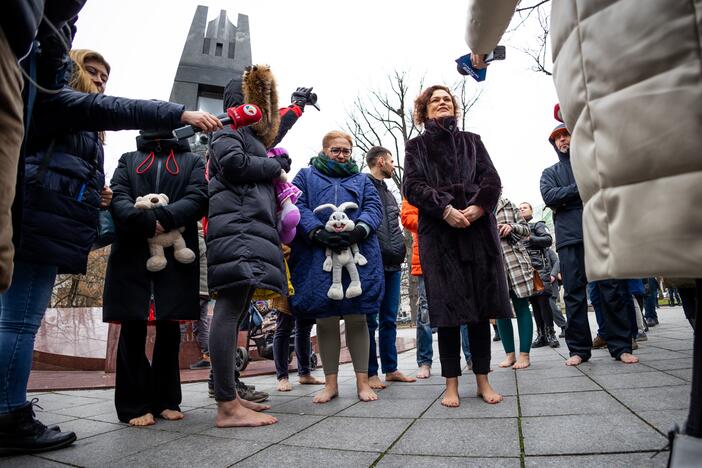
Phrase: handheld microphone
(236,117)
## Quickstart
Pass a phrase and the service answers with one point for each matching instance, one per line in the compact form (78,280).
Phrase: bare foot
(451,398)
(171,415)
(253,406)
(310,380)
(522,362)
(424,372)
(398,376)
(509,361)
(283,385)
(628,358)
(485,390)
(325,395)
(145,420)
(234,414)
(574,360)
(365,392)
(376,383)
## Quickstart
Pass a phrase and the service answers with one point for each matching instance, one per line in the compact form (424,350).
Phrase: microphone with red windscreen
(243,115)
(236,117)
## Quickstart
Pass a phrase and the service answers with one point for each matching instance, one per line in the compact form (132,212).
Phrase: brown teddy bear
(182,253)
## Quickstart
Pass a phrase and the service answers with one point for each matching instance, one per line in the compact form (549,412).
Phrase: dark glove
(337,241)
(303,96)
(284,161)
(357,235)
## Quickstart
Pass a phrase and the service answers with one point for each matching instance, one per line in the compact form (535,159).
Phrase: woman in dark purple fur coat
(450,178)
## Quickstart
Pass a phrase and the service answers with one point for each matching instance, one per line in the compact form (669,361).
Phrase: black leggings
(450,349)
(543,315)
(230,308)
(147,387)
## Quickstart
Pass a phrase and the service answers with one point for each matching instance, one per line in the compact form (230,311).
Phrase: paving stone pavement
(603,413)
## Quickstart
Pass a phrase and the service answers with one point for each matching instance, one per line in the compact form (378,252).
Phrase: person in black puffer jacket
(537,244)
(159,166)
(63,189)
(393,251)
(243,246)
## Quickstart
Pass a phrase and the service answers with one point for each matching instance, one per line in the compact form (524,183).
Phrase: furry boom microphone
(236,117)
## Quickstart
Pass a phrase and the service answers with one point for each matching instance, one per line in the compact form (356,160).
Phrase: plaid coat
(520,273)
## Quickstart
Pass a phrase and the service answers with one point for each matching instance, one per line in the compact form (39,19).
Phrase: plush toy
(348,257)
(287,194)
(182,253)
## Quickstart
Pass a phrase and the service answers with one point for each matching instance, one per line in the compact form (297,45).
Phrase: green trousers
(524,325)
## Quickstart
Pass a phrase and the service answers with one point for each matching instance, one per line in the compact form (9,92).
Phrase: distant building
(213,53)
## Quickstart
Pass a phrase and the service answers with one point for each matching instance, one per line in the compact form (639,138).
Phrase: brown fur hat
(260,88)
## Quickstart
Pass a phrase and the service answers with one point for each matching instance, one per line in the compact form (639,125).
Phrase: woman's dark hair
(422,103)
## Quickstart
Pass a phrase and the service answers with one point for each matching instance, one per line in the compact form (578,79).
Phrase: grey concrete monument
(214,52)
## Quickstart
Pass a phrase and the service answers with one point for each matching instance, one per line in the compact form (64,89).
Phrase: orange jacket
(410,220)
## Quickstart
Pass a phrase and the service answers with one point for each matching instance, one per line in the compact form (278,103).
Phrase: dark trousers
(694,418)
(651,299)
(284,326)
(689,304)
(556,313)
(577,333)
(543,315)
(231,306)
(617,314)
(450,349)
(142,387)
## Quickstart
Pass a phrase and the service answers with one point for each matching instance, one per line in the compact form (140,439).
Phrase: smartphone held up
(465,64)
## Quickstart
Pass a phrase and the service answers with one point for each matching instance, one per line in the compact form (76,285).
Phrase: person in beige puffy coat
(629,80)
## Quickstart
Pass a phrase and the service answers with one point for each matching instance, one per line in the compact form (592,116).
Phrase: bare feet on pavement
(523,361)
(365,392)
(509,360)
(253,406)
(628,358)
(450,398)
(326,394)
(310,380)
(376,383)
(574,361)
(234,414)
(424,372)
(171,415)
(398,376)
(283,385)
(145,420)
(485,390)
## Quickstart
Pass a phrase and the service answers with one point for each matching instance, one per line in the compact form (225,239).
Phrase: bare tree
(383,117)
(537,15)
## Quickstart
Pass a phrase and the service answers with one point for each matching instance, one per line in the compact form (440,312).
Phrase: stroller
(260,330)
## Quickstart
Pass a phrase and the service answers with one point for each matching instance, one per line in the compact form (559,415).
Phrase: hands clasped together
(462,218)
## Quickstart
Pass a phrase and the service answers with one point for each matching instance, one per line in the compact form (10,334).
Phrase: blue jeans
(21,309)
(465,343)
(387,332)
(425,351)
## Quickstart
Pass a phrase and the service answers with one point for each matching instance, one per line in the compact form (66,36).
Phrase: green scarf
(332,168)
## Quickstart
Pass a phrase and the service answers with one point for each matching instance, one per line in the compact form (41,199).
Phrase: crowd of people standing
(479,257)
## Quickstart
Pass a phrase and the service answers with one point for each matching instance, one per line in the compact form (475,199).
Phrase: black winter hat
(233,95)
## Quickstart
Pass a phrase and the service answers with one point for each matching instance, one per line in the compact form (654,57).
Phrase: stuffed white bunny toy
(348,257)
(182,253)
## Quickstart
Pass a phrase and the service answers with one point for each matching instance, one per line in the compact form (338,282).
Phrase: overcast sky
(343,49)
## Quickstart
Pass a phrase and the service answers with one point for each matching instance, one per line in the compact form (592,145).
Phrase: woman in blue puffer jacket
(333,178)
